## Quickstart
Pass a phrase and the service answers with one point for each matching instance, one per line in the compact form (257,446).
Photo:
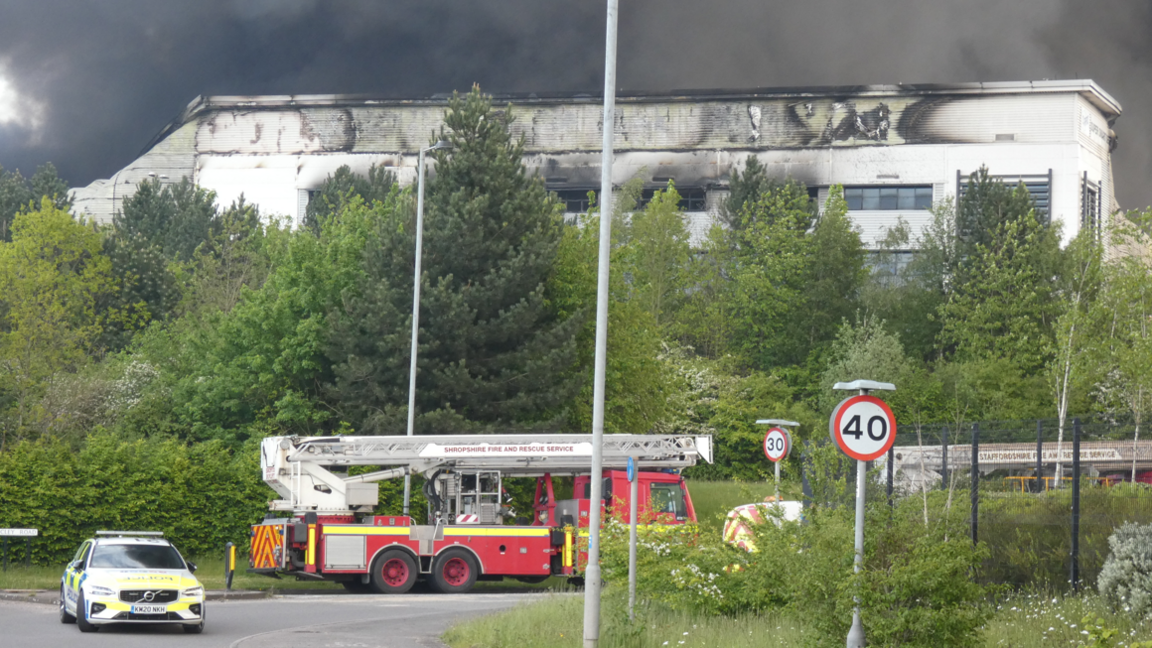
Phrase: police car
(130,577)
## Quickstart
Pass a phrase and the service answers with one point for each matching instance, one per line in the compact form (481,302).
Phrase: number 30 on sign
(864,427)
(777,444)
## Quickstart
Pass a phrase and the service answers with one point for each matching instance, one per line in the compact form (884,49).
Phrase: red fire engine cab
(324,528)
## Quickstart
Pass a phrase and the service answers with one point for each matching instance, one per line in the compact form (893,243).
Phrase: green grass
(1040,620)
(558,621)
(713,500)
(1021,621)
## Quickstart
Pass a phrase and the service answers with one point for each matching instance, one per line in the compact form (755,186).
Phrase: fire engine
(324,528)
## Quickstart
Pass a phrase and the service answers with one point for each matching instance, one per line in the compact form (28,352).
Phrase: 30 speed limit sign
(777,444)
(863,427)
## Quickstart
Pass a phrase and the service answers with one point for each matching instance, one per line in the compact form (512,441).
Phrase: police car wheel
(82,615)
(64,616)
(193,628)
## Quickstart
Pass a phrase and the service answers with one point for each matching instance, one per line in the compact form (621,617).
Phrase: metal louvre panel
(1037,118)
(344,552)
(1039,188)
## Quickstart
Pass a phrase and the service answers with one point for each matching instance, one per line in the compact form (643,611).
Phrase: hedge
(199,495)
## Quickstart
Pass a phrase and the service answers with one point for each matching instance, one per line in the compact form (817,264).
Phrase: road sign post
(864,429)
(777,444)
(634,493)
(27,534)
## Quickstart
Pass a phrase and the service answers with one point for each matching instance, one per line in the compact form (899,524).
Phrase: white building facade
(895,149)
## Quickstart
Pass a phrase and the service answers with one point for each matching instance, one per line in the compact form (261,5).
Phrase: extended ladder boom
(299,469)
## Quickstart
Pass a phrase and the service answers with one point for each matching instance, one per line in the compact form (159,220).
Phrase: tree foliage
(176,218)
(18,194)
(52,274)
(1003,304)
(491,348)
(342,187)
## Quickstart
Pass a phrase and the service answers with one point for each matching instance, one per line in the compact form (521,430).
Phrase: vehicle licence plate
(149,609)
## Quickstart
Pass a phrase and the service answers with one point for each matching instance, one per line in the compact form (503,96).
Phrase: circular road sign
(777,444)
(631,470)
(864,427)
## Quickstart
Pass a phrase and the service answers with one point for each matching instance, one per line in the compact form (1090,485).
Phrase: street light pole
(592,570)
(416,302)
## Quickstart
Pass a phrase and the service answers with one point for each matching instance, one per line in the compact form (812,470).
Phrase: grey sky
(90,83)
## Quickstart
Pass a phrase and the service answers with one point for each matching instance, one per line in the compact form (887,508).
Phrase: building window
(888,198)
(691,198)
(576,200)
(1090,206)
(1039,188)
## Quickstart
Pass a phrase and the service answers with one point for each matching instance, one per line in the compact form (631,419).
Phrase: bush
(200,495)
(1126,579)
(916,588)
(1029,536)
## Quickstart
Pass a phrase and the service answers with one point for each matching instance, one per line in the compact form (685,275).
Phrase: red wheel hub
(395,572)
(456,572)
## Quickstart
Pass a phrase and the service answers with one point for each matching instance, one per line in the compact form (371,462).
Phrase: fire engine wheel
(393,572)
(454,572)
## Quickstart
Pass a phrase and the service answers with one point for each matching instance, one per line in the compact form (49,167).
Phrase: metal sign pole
(777,481)
(635,495)
(856,632)
(874,428)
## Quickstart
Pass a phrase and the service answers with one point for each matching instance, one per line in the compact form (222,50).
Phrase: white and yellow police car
(130,577)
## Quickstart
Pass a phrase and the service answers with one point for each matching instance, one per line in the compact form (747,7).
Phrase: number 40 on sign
(863,427)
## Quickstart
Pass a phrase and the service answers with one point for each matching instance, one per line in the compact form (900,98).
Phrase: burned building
(895,149)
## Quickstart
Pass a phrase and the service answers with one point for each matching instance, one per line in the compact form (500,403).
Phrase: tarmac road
(289,621)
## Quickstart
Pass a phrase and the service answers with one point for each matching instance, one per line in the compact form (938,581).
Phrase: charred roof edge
(1085,87)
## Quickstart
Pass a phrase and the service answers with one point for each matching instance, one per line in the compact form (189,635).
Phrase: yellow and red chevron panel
(267,550)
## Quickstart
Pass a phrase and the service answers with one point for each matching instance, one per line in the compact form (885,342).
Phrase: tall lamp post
(416,302)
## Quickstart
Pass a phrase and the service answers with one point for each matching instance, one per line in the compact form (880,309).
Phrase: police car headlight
(194,591)
(97,590)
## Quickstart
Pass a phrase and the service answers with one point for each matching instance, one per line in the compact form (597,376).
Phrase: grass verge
(1021,621)
(558,620)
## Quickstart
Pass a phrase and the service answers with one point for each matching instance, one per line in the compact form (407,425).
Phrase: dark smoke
(110,74)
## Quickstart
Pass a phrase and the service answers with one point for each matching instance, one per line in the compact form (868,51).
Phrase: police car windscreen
(136,557)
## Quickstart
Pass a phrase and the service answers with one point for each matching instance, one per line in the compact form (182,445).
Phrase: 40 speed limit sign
(777,444)
(863,427)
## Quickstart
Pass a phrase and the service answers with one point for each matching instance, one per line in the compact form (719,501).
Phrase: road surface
(290,621)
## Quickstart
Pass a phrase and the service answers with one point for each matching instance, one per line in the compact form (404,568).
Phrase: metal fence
(1044,500)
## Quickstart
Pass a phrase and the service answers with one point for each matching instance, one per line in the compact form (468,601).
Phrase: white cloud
(16,109)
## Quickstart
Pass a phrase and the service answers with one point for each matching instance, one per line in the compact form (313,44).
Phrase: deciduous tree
(51,275)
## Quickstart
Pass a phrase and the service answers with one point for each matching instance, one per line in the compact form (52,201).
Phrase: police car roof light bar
(150,534)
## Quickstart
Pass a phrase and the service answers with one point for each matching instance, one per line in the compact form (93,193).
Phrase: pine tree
(18,194)
(986,205)
(339,188)
(491,348)
(176,218)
